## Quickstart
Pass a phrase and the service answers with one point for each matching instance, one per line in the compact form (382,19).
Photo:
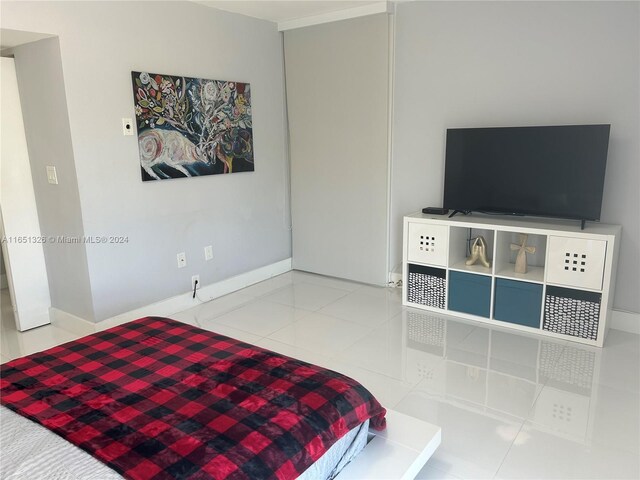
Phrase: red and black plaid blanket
(159,399)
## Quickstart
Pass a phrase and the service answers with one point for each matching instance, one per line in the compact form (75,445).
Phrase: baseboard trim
(233,284)
(171,305)
(71,323)
(207,293)
(620,320)
(625,321)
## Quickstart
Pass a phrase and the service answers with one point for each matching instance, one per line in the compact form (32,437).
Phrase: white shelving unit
(567,291)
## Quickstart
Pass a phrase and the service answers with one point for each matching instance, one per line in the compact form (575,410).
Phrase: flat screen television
(550,171)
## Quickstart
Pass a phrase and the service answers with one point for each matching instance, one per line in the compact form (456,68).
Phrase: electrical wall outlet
(208,253)
(194,279)
(182,260)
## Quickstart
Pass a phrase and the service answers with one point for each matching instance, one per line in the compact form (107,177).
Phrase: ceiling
(287,14)
(286,11)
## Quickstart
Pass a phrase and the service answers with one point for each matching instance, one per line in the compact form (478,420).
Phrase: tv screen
(551,171)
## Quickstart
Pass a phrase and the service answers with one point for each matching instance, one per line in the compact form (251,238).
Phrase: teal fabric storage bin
(469,293)
(518,302)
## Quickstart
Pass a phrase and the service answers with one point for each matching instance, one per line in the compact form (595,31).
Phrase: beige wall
(46,121)
(337,93)
(467,64)
(244,215)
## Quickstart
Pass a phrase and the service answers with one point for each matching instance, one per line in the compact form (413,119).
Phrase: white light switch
(52,176)
(208,252)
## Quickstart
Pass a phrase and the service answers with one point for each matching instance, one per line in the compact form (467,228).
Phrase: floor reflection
(502,374)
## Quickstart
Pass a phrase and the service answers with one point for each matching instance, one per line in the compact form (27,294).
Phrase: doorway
(27,298)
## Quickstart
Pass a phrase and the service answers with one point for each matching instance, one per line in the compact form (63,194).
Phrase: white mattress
(30,451)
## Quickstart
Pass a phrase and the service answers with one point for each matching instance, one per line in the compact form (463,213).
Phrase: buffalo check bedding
(159,399)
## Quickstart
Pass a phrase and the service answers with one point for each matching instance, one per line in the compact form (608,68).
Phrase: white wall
(244,216)
(27,271)
(337,96)
(466,64)
(44,106)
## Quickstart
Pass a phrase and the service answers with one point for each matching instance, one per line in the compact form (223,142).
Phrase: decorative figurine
(479,252)
(523,249)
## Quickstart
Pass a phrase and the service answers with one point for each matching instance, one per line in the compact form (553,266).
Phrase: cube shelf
(566,291)
(460,239)
(506,256)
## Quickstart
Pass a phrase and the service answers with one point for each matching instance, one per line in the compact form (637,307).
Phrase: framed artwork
(189,127)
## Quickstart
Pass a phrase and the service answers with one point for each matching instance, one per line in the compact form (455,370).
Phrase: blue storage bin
(518,302)
(470,293)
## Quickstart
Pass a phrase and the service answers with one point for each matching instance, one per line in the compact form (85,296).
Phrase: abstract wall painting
(189,127)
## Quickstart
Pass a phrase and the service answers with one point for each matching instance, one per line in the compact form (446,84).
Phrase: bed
(30,451)
(156,398)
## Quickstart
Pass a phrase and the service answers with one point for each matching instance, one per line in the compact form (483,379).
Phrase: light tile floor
(510,405)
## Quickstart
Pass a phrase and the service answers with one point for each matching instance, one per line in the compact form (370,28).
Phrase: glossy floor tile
(474,440)
(209,310)
(306,296)
(510,405)
(305,277)
(539,452)
(367,306)
(260,317)
(321,333)
(14,344)
(379,351)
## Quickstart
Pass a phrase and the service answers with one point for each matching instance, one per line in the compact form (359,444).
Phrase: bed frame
(398,452)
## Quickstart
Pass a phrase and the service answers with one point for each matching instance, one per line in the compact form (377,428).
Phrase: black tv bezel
(522,213)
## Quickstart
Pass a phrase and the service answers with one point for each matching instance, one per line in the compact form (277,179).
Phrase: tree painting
(189,127)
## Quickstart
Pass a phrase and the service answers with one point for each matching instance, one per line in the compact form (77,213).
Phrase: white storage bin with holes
(576,262)
(574,270)
(428,243)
